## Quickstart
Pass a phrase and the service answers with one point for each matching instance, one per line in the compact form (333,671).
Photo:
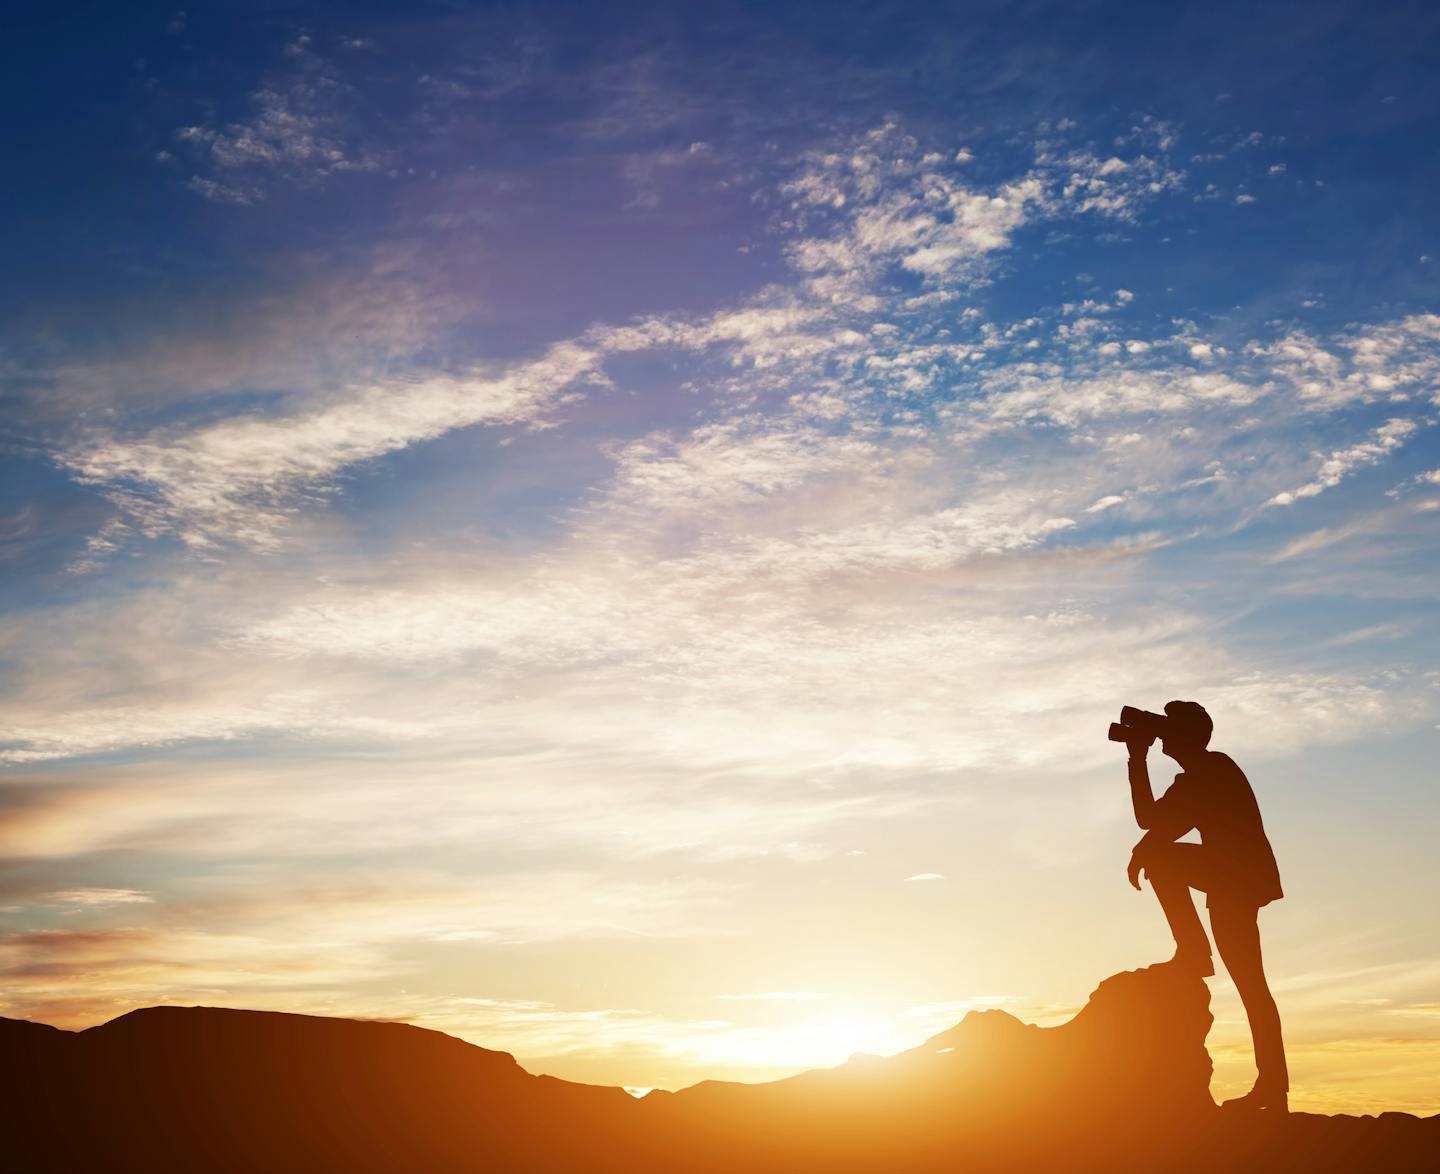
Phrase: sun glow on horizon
(824,1038)
(833,1040)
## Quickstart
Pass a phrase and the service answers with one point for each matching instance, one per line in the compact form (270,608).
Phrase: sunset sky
(616,531)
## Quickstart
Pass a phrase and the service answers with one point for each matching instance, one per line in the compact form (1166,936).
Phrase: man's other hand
(1139,746)
(1132,873)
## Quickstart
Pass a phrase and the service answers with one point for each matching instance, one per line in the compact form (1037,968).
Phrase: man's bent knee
(1165,860)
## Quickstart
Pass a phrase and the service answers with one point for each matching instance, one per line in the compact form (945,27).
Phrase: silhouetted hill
(1122,1086)
(207,1089)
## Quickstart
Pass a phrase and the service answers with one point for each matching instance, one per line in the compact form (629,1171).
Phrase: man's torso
(1216,799)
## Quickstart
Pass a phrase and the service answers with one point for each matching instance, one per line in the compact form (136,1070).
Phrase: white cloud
(1340,463)
(731,464)
(39,735)
(1113,187)
(236,479)
(1313,541)
(222,193)
(100,898)
(297,129)
(1389,361)
(1018,396)
(1372,632)
(896,207)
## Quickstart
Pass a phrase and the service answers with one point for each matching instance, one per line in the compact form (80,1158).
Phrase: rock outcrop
(1121,1086)
(1113,1084)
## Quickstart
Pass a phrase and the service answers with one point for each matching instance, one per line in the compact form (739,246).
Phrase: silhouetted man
(1233,864)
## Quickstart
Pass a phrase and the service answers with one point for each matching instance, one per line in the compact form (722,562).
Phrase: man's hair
(1191,722)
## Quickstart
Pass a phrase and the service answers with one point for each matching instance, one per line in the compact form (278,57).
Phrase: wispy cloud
(861,214)
(98,898)
(1340,463)
(296,130)
(237,480)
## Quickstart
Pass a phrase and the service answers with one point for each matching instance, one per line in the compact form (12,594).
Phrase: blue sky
(603,528)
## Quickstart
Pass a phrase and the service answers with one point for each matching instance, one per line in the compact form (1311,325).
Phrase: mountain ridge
(1122,1085)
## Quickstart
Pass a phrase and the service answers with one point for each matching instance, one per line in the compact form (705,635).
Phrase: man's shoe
(1276,1100)
(1196,962)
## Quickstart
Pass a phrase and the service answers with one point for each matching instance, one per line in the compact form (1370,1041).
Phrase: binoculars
(1138,723)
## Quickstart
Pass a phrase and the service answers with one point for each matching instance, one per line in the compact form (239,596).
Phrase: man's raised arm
(1141,796)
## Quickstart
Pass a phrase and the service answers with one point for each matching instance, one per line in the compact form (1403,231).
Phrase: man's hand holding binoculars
(1139,744)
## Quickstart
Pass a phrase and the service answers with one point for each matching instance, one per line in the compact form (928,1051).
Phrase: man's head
(1188,730)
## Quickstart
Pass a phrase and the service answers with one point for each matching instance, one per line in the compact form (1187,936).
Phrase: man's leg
(1173,869)
(1237,934)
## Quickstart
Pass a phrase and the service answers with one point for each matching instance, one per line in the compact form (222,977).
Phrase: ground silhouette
(1122,1086)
